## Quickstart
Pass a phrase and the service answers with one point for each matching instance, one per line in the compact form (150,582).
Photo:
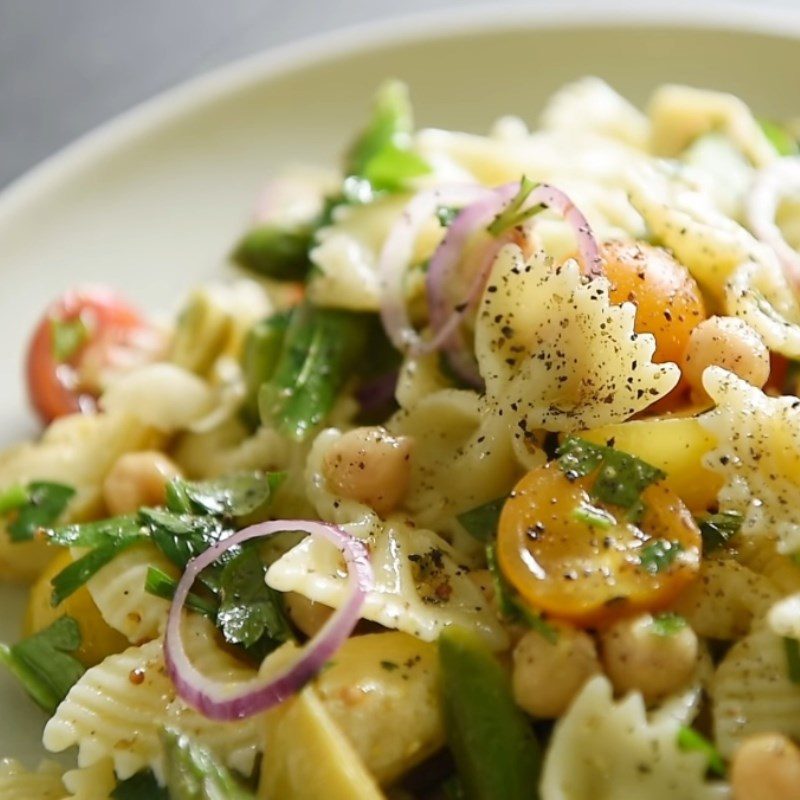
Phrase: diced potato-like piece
(382,690)
(78,451)
(306,756)
(98,639)
(674,444)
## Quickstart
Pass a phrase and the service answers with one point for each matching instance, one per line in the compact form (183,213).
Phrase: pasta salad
(480,480)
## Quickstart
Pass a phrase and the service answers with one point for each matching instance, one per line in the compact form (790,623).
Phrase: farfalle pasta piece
(17,783)
(757,455)
(752,692)
(462,457)
(742,274)
(557,354)
(91,783)
(420,584)
(117,709)
(680,114)
(607,750)
(118,590)
(349,249)
(726,599)
(590,104)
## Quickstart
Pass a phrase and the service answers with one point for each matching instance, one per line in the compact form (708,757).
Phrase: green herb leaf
(382,155)
(692,741)
(393,167)
(446,215)
(182,537)
(718,529)
(593,516)
(481,522)
(280,252)
(667,623)
(238,495)
(159,584)
(72,577)
(68,337)
(658,554)
(513,214)
(46,502)
(193,773)
(95,534)
(511,607)
(141,786)
(12,498)
(260,354)
(322,349)
(779,137)
(43,664)
(792,648)
(250,609)
(621,478)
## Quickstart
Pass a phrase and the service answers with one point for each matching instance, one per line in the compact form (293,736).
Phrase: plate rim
(366,37)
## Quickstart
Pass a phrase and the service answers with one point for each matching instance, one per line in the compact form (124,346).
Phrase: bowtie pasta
(483,484)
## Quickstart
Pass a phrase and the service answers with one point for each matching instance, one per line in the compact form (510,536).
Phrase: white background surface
(68,65)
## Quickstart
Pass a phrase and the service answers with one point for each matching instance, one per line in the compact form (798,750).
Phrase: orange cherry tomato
(80,324)
(592,572)
(668,302)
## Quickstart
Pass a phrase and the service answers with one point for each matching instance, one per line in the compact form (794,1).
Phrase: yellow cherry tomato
(98,639)
(579,560)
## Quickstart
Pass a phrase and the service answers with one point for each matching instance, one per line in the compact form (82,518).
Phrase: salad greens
(141,786)
(193,773)
(34,507)
(321,350)
(44,664)
(491,739)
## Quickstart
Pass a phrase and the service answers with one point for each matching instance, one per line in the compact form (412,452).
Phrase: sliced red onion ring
(772,184)
(398,250)
(230,701)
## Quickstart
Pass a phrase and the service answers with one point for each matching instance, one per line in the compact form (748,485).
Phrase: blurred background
(69,65)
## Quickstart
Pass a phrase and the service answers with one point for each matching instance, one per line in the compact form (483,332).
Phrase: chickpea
(136,480)
(306,614)
(547,675)
(725,342)
(637,657)
(371,466)
(766,767)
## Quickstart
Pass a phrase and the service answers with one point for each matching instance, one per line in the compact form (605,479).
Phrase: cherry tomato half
(669,304)
(586,562)
(81,324)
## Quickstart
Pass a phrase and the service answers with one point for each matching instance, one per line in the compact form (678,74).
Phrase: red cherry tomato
(82,321)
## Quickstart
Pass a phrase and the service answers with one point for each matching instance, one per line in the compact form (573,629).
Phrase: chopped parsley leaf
(658,554)
(593,516)
(446,215)
(621,478)
(718,529)
(481,522)
(692,741)
(667,623)
(43,662)
(511,607)
(69,336)
(45,503)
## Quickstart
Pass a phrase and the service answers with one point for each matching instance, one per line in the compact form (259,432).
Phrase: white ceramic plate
(152,202)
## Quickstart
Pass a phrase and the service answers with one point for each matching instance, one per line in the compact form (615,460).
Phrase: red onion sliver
(230,701)
(445,320)
(773,183)
(398,250)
